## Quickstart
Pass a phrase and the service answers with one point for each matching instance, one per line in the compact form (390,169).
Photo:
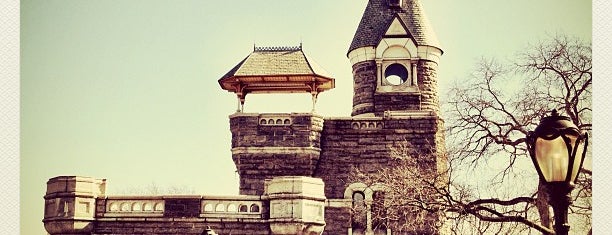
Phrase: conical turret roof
(378,16)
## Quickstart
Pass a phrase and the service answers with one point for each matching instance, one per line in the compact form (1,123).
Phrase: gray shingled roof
(279,70)
(272,61)
(378,16)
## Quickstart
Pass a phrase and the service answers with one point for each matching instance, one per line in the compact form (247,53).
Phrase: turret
(395,56)
(267,145)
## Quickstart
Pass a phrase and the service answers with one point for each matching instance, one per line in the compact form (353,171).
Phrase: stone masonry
(296,168)
(290,205)
(269,145)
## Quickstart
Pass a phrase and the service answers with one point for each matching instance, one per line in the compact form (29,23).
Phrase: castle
(295,168)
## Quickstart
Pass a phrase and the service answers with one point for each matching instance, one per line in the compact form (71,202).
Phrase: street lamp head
(557,148)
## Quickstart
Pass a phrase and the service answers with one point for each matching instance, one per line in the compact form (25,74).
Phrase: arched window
(114,207)
(147,207)
(359,218)
(125,206)
(231,208)
(220,208)
(254,208)
(136,206)
(358,197)
(396,74)
(243,208)
(208,208)
(159,207)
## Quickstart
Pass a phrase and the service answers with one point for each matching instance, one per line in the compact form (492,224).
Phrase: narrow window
(359,218)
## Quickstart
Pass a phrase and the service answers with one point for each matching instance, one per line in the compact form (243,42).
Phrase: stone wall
(367,100)
(269,145)
(193,226)
(349,143)
(393,101)
(337,217)
(365,144)
(290,205)
(428,85)
(364,78)
(181,215)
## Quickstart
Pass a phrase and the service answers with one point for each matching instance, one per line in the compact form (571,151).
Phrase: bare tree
(488,117)
(492,114)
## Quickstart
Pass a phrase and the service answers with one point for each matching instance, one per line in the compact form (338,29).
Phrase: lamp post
(557,148)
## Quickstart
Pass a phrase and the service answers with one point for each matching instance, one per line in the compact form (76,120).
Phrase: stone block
(295,185)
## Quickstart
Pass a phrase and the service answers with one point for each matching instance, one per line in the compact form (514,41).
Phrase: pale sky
(127,90)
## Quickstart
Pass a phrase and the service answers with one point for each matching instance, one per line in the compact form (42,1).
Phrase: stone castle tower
(295,168)
(395,55)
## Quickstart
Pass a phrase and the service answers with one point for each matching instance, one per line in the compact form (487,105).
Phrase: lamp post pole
(557,148)
(559,199)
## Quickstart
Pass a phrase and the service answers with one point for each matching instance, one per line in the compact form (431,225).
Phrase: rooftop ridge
(278,48)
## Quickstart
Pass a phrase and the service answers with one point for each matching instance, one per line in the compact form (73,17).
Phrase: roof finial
(554,113)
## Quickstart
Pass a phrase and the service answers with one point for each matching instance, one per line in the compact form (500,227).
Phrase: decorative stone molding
(134,207)
(275,121)
(277,150)
(411,114)
(361,54)
(368,191)
(232,207)
(364,125)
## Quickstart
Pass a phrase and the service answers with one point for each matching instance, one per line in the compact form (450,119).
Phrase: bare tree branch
(488,116)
